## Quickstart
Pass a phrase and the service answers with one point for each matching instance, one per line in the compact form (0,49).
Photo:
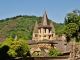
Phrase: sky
(56,9)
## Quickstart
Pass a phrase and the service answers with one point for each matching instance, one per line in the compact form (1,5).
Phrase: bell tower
(45,31)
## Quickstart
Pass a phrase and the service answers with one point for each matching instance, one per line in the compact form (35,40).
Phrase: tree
(72,17)
(72,24)
(71,29)
(16,48)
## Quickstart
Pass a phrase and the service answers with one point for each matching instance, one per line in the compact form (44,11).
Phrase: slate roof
(53,30)
(43,49)
(44,22)
(35,28)
(45,41)
(38,49)
(31,42)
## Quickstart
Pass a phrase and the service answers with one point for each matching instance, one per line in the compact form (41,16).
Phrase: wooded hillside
(23,26)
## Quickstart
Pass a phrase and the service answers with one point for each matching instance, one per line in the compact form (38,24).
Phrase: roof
(30,42)
(46,41)
(53,30)
(38,49)
(43,49)
(35,28)
(44,22)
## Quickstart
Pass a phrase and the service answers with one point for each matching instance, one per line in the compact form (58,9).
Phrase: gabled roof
(31,42)
(35,28)
(38,49)
(53,30)
(44,22)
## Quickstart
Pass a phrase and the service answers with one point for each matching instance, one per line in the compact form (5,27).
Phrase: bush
(42,52)
(59,53)
(35,54)
(53,52)
(16,48)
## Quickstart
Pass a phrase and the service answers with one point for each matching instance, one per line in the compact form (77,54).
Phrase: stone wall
(45,58)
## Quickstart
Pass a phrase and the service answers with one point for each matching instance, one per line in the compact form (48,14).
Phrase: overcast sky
(56,9)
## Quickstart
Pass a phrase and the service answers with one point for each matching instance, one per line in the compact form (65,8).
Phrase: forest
(23,25)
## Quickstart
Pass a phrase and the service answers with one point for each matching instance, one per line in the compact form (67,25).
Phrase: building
(44,37)
(44,33)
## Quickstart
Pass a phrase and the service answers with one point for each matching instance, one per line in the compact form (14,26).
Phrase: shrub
(35,54)
(16,48)
(42,52)
(53,52)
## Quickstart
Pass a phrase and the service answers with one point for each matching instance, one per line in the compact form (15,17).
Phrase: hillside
(22,25)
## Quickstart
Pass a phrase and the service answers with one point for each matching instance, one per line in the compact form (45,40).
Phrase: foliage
(23,25)
(42,52)
(71,29)
(59,32)
(53,52)
(0,44)
(15,48)
(72,24)
(35,54)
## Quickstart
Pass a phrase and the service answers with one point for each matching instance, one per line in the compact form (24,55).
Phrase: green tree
(73,17)
(16,48)
(72,24)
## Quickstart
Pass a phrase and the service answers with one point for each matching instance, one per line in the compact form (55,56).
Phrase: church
(44,33)
(44,36)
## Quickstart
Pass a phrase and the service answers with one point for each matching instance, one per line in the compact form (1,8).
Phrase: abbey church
(45,36)
(45,31)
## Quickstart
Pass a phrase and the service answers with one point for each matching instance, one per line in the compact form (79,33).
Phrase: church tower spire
(35,28)
(53,30)
(44,21)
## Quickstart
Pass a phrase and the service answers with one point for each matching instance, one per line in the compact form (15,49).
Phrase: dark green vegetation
(53,52)
(11,49)
(72,25)
(23,26)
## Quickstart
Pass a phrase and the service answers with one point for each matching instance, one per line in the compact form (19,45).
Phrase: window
(49,30)
(45,30)
(49,37)
(36,35)
(40,30)
(52,35)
